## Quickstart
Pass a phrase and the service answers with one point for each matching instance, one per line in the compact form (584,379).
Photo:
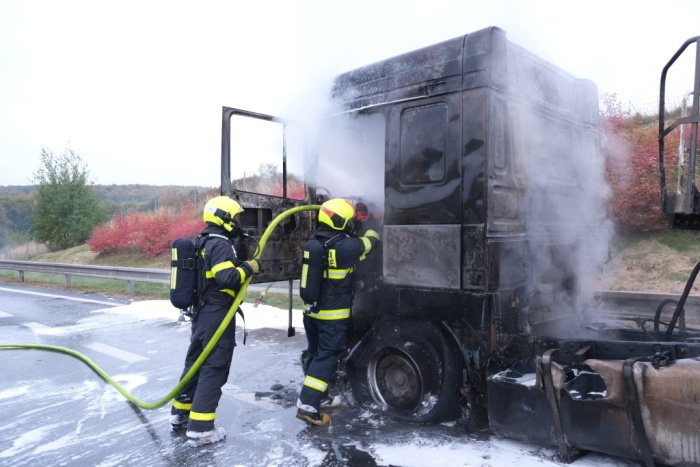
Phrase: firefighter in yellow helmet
(329,260)
(221,274)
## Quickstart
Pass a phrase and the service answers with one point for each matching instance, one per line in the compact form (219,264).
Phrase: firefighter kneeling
(329,260)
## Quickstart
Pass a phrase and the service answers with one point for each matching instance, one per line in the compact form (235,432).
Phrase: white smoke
(341,154)
(565,188)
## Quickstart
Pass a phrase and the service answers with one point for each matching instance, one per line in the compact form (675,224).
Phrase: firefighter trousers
(200,397)
(327,340)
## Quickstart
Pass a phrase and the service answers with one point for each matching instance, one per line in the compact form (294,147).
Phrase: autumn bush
(150,233)
(630,148)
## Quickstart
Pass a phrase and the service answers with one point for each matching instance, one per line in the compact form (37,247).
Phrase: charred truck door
(257,171)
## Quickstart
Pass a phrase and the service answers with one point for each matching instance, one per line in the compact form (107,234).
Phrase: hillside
(82,255)
(134,197)
(17,205)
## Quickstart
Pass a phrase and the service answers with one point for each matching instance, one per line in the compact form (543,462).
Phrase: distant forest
(16,203)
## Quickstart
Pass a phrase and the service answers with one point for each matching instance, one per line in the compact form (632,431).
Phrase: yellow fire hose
(207,349)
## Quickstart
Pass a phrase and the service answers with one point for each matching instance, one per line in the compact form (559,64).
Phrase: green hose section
(207,349)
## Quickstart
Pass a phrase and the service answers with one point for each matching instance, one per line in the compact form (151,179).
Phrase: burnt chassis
(624,397)
(639,386)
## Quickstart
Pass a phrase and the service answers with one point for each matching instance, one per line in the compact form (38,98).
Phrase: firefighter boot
(178,421)
(314,418)
(202,438)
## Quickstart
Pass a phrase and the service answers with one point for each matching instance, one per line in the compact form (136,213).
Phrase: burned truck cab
(482,163)
(491,201)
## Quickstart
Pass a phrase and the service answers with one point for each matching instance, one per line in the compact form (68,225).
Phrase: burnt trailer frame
(459,316)
(681,209)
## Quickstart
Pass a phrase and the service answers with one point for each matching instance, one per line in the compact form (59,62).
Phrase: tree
(67,208)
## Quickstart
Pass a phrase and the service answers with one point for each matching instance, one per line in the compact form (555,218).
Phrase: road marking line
(115,352)
(4,314)
(39,328)
(41,294)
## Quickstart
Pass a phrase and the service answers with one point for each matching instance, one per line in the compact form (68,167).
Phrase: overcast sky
(136,87)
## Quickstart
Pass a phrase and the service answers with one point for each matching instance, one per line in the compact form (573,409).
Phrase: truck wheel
(409,371)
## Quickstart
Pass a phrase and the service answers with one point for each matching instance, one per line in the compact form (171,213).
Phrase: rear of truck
(627,386)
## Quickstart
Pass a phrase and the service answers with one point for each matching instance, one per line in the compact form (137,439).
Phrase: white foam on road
(4,314)
(264,316)
(471,452)
(60,443)
(143,310)
(14,392)
(27,440)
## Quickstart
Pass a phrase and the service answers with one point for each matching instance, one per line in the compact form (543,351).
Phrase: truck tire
(409,371)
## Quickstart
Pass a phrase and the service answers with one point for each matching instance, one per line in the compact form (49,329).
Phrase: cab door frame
(227,113)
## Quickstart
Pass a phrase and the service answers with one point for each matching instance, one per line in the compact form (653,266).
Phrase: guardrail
(131,275)
(644,304)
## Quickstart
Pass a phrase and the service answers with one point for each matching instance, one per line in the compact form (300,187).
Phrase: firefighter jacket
(328,265)
(223,273)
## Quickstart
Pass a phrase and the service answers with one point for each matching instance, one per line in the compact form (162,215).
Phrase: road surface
(57,411)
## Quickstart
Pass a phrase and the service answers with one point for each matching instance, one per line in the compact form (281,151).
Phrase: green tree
(67,208)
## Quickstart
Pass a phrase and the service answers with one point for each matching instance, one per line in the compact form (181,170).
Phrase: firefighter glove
(310,308)
(255,265)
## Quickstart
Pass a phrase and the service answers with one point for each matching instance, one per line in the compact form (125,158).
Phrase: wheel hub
(396,381)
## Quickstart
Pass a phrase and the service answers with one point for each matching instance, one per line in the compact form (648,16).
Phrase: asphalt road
(56,411)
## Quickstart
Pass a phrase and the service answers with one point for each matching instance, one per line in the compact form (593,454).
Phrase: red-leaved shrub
(112,236)
(630,147)
(151,233)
